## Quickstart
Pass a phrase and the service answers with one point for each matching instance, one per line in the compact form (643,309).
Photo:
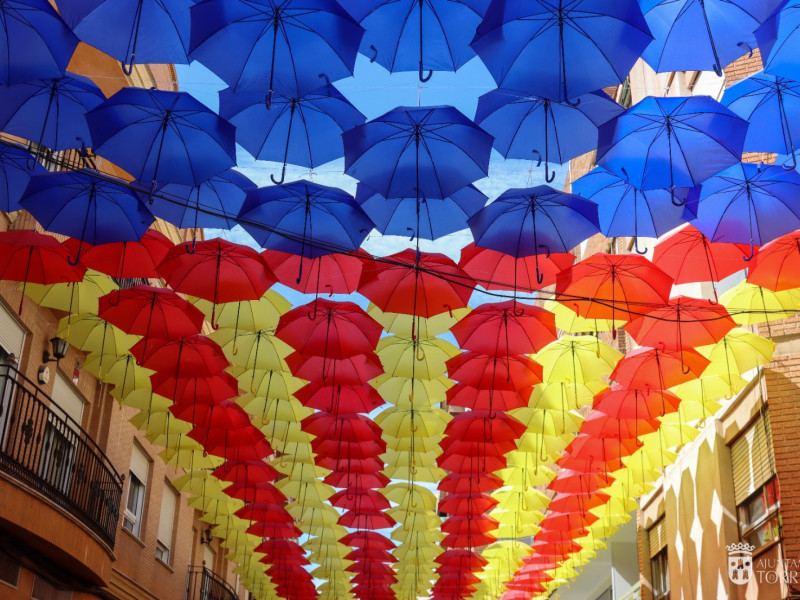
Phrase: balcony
(204,584)
(48,452)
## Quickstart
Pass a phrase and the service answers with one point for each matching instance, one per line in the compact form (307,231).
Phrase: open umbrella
(655,369)
(132,31)
(505,328)
(778,40)
(15,174)
(560,49)
(37,42)
(150,311)
(126,259)
(161,136)
(305,130)
(324,275)
(283,46)
(74,297)
(701,35)
(776,265)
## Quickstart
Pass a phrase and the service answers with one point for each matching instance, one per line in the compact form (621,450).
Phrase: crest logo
(740,562)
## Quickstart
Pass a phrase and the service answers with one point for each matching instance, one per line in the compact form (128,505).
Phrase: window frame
(134,518)
(660,561)
(770,514)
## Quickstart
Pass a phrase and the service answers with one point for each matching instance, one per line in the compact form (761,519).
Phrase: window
(137,488)
(57,460)
(166,524)
(9,570)
(759,520)
(659,567)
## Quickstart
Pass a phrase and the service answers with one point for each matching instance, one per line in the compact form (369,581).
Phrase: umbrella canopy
(329,274)
(417,152)
(622,403)
(74,297)
(776,265)
(701,35)
(505,328)
(190,356)
(749,304)
(164,136)
(127,259)
(589,44)
(274,45)
(145,310)
(577,359)
(654,369)
(778,39)
(15,174)
(38,43)
(304,218)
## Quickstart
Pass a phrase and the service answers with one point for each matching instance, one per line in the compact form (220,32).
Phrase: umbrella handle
(327,80)
(717,69)
(752,253)
(746,46)
(793,160)
(636,247)
(413,233)
(77,256)
(419,353)
(268,100)
(283,176)
(674,199)
(538,158)
(127,67)
(32,160)
(422,77)
(449,310)
(520,312)
(374,56)
(573,103)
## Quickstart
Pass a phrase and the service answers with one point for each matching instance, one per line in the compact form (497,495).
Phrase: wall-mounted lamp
(60,348)
(206,537)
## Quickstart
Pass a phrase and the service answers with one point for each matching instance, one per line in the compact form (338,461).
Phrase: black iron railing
(203,584)
(41,446)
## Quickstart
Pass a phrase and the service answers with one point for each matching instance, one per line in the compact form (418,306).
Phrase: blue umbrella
(143,31)
(561,49)
(35,41)
(304,218)
(671,142)
(415,35)
(533,221)
(429,151)
(162,136)
(15,174)
(275,45)
(437,217)
(770,104)
(625,211)
(779,40)
(525,127)
(214,203)
(701,35)
(82,205)
(51,112)
(748,203)
(303,131)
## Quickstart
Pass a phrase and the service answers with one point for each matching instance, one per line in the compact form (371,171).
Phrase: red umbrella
(498,271)
(360,368)
(366,520)
(371,555)
(613,286)
(216,270)
(505,328)
(329,329)
(265,513)
(151,311)
(457,540)
(483,371)
(340,399)
(364,539)
(357,480)
(577,503)
(123,260)
(256,492)
(33,257)
(190,356)
(689,257)
(220,415)
(274,530)
(466,504)
(455,446)
(776,266)
(469,525)
(351,450)
(600,450)
(374,578)
(541,548)
(651,368)
(350,465)
(345,428)
(623,403)
(480,425)
(195,390)
(242,443)
(488,399)
(462,483)
(472,463)
(423,284)
(462,559)
(284,558)
(601,425)
(569,481)
(682,324)
(329,274)
(279,547)
(246,473)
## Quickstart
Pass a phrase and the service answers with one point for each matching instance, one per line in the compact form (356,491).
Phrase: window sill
(134,537)
(165,565)
(765,548)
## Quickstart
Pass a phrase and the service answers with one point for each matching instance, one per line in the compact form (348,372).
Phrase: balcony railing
(45,449)
(203,584)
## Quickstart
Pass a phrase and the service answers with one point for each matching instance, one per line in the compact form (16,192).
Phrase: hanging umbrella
(196,397)
(570,322)
(340,398)
(534,221)
(161,136)
(671,142)
(537,128)
(625,211)
(89,332)
(325,275)
(778,40)
(127,259)
(437,216)
(587,45)
(505,328)
(416,359)
(623,403)
(738,352)
(577,359)
(132,31)
(111,211)
(484,371)
(654,369)
(749,304)
(190,356)
(692,35)
(417,152)
(15,174)
(304,131)
(214,203)
(748,203)
(612,286)
(494,270)
(357,369)
(74,297)
(304,218)
(776,265)
(415,283)
(403,325)
(253,350)
(248,315)
(150,311)
(274,46)
(38,44)
(397,390)
(682,324)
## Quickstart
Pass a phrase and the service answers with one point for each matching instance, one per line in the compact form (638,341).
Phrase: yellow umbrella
(148,402)
(267,410)
(408,494)
(398,459)
(526,476)
(400,324)
(426,474)
(90,333)
(418,521)
(548,422)
(77,297)
(397,390)
(565,396)
(616,505)
(314,491)
(649,458)
(577,359)
(413,422)
(118,369)
(269,384)
(548,446)
(528,500)
(514,529)
(418,444)
(251,315)
(300,470)
(296,452)
(508,550)
(421,553)
(421,359)
(208,487)
(738,352)
(159,422)
(309,512)
(689,410)
(253,349)
(191,459)
(708,388)
(219,506)
(568,320)
(749,304)
(284,431)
